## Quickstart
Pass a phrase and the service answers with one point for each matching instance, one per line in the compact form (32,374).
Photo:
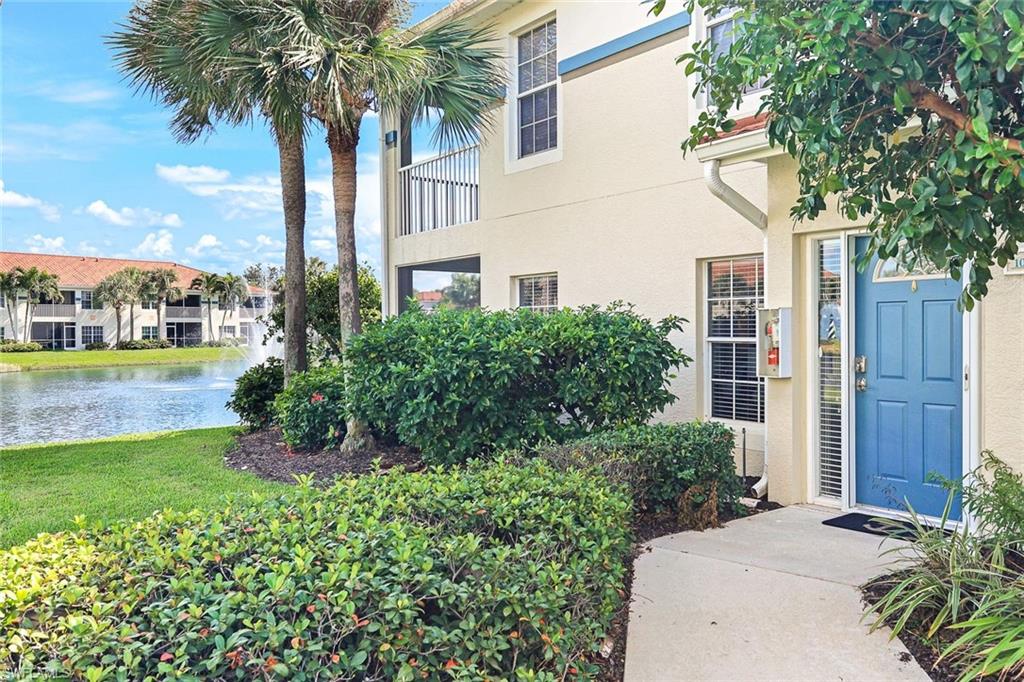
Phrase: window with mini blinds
(735,290)
(537,98)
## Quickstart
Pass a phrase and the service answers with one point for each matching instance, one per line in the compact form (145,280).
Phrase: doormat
(873,525)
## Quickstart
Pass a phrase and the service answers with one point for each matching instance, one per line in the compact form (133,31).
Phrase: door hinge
(967,377)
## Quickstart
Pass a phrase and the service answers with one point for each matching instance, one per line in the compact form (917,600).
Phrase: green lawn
(43,488)
(63,359)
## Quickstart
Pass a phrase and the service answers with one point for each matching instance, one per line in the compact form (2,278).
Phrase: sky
(88,167)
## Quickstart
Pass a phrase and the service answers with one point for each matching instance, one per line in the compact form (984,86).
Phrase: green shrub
(312,409)
(961,591)
(20,347)
(227,342)
(144,344)
(255,390)
(499,572)
(658,462)
(461,383)
(97,345)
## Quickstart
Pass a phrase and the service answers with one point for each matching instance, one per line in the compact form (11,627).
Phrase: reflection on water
(55,405)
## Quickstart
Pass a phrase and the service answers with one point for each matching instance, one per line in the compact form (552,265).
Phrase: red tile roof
(87,271)
(429,296)
(746,124)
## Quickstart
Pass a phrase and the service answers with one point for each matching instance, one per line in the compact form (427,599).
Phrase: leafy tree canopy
(908,114)
(322,305)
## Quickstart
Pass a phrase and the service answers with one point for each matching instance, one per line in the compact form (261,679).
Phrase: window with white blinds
(537,98)
(538,292)
(735,290)
(830,369)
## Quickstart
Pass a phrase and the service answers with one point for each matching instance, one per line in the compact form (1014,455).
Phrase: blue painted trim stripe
(622,43)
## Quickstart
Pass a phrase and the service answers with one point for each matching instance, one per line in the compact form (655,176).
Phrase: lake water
(56,405)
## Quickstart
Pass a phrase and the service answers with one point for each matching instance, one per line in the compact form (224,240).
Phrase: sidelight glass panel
(830,365)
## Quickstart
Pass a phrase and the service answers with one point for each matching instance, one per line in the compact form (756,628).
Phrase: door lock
(862,384)
(860,364)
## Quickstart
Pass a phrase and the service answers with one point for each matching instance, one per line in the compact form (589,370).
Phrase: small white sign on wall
(1016,266)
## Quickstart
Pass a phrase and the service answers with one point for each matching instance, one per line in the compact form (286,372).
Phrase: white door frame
(971,373)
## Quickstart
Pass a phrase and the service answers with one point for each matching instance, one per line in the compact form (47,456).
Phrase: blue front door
(909,398)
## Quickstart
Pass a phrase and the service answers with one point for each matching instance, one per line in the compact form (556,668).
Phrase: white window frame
(710,340)
(84,294)
(516,293)
(155,333)
(513,163)
(82,333)
(225,327)
(700,29)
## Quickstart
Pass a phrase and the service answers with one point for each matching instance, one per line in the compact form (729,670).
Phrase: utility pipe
(757,218)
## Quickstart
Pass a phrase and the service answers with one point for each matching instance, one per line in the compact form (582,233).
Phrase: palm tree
(136,290)
(163,287)
(37,285)
(221,60)
(10,287)
(112,291)
(209,285)
(234,291)
(361,63)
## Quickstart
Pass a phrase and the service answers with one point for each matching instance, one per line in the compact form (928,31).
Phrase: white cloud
(183,175)
(322,245)
(84,140)
(127,217)
(86,249)
(205,242)
(37,243)
(158,244)
(266,242)
(243,243)
(87,92)
(9,199)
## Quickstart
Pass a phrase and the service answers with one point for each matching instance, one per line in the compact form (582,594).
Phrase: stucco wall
(622,215)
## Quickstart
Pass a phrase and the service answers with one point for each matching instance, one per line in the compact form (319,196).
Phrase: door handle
(862,384)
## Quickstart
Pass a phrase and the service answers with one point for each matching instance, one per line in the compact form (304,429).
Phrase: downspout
(756,217)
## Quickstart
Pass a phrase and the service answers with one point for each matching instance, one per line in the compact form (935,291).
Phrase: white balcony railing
(177,312)
(54,310)
(439,192)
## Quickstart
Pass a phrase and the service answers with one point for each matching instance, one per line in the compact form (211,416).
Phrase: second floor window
(722,29)
(87,301)
(537,100)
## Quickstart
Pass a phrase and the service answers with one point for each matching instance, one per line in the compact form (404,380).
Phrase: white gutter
(756,217)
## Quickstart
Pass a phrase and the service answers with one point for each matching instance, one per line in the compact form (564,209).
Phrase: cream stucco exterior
(620,214)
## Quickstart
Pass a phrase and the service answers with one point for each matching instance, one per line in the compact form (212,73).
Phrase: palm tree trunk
(342,144)
(209,314)
(343,180)
(223,319)
(131,321)
(117,314)
(12,315)
(28,319)
(161,333)
(293,196)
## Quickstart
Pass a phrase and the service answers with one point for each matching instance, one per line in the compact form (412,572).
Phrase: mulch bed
(265,454)
(924,653)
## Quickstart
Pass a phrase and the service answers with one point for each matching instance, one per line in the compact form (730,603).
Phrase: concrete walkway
(769,597)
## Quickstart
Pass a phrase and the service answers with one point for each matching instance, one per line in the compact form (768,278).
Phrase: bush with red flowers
(312,409)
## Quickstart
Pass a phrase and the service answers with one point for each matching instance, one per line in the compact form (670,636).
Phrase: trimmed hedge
(97,345)
(460,383)
(499,571)
(311,410)
(20,347)
(658,462)
(144,344)
(255,390)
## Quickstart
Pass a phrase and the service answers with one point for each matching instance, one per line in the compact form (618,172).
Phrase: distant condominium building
(78,317)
